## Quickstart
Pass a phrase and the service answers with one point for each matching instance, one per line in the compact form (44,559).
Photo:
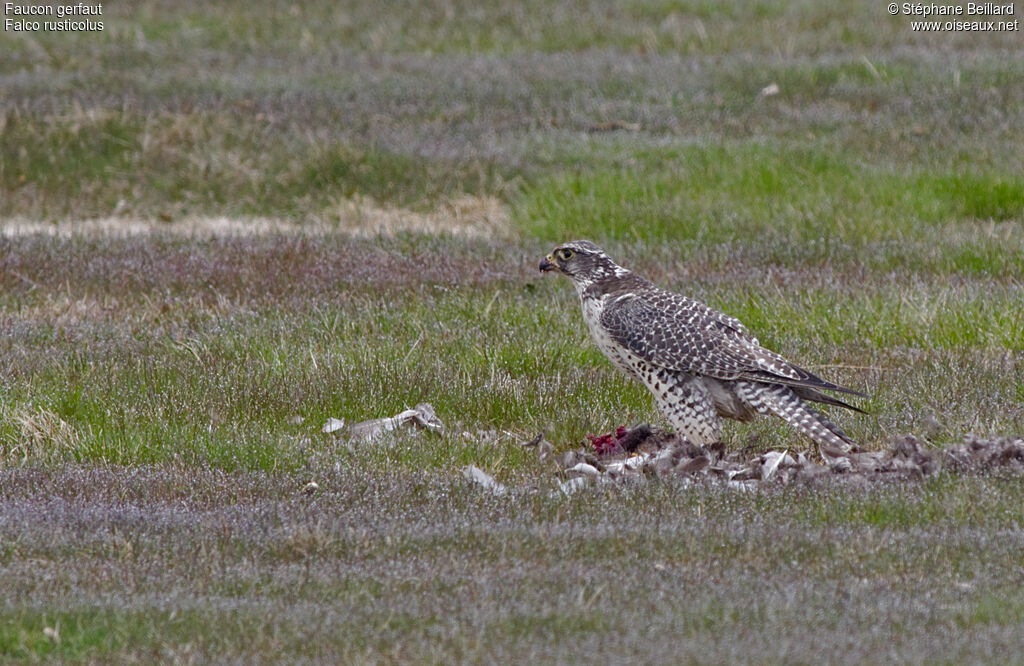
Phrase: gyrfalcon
(699,363)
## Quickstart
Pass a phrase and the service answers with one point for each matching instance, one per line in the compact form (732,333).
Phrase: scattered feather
(660,454)
(483,479)
(583,469)
(333,424)
(422,416)
(573,485)
(770,463)
(542,445)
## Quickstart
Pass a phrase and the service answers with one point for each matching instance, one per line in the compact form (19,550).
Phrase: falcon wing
(685,335)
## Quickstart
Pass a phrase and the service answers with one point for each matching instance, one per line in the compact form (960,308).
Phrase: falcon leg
(686,403)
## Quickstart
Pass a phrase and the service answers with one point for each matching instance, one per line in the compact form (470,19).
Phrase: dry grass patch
(34,434)
(463,215)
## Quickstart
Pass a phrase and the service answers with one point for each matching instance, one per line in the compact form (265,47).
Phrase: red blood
(608,443)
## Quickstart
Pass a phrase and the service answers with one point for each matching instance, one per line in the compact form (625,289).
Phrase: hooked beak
(547,265)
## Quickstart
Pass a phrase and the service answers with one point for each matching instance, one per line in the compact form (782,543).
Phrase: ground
(223,225)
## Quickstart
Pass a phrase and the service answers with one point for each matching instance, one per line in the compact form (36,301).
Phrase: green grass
(163,393)
(168,166)
(212,355)
(825,208)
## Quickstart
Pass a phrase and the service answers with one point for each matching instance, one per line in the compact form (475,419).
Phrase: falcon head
(582,261)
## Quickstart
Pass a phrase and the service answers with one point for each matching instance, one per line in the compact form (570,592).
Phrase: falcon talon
(700,364)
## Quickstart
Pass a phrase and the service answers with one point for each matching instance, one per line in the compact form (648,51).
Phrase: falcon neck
(619,280)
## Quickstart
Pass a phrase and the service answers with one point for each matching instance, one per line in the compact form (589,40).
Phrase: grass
(214,350)
(169,166)
(776,196)
(163,392)
(363,570)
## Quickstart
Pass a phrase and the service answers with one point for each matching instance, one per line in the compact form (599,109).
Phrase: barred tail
(787,405)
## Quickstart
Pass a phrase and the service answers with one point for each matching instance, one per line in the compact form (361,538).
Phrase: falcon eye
(565,254)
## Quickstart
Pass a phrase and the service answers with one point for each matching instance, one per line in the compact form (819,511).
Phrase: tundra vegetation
(225,223)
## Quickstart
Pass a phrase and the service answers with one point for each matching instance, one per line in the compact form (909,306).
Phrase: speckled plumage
(699,364)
